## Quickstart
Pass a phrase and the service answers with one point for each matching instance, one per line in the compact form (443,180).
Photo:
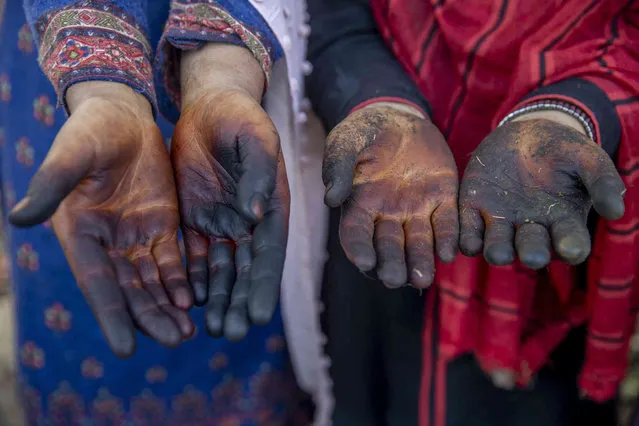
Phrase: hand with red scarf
(108,183)
(529,187)
(391,171)
(232,187)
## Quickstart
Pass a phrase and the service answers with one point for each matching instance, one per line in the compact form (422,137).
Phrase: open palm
(109,181)
(528,187)
(234,203)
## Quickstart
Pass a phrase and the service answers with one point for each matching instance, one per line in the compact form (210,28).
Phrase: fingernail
(617,208)
(329,188)
(183,299)
(536,259)
(188,331)
(571,247)
(200,293)
(20,205)
(499,254)
(257,206)
(364,263)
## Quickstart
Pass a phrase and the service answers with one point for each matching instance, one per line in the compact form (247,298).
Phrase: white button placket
(286,42)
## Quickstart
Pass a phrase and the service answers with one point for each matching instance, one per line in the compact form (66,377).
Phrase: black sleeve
(351,63)
(596,101)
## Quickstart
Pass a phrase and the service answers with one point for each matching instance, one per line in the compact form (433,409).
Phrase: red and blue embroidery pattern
(93,40)
(192,23)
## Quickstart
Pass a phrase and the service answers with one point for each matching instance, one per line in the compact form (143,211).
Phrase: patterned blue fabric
(139,9)
(68,375)
(245,13)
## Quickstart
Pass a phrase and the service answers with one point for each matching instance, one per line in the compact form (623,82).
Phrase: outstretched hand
(234,202)
(396,180)
(529,187)
(108,183)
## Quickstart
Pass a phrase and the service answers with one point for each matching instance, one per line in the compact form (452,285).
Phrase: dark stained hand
(396,180)
(108,179)
(234,203)
(528,189)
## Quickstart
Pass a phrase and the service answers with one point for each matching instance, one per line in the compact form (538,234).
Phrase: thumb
(604,185)
(338,172)
(62,170)
(259,152)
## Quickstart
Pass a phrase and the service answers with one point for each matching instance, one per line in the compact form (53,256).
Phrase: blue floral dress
(67,374)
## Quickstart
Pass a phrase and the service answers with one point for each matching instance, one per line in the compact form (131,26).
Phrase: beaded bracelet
(554,105)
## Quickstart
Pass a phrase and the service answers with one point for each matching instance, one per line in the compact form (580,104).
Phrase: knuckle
(220,263)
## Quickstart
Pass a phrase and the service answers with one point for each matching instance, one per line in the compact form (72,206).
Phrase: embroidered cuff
(591,101)
(94,40)
(193,23)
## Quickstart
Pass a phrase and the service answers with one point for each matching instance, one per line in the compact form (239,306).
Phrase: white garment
(302,141)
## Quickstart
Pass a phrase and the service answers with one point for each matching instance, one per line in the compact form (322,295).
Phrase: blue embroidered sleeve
(85,40)
(192,23)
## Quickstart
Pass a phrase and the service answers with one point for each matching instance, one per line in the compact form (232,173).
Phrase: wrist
(558,117)
(406,107)
(558,111)
(117,93)
(220,67)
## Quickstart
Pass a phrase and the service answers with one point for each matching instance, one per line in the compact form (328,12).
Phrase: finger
(607,196)
(389,244)
(58,175)
(419,252)
(197,247)
(96,278)
(533,245)
(269,253)
(150,275)
(219,221)
(603,183)
(259,151)
(168,258)
(221,279)
(236,323)
(338,170)
(471,239)
(445,222)
(356,230)
(571,240)
(143,307)
(498,244)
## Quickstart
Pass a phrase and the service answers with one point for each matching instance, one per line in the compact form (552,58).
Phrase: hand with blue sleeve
(229,167)
(107,181)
